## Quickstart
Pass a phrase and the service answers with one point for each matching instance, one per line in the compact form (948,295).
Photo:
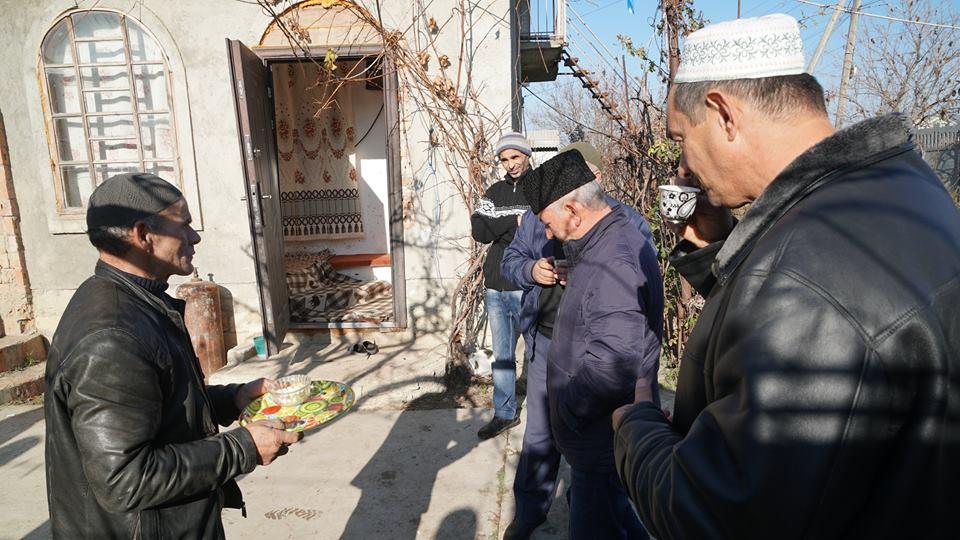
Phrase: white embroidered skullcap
(767,46)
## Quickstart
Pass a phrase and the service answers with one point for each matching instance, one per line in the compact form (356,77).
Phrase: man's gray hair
(780,97)
(116,240)
(589,195)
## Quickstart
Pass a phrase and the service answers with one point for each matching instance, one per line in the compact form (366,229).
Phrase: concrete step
(21,351)
(22,384)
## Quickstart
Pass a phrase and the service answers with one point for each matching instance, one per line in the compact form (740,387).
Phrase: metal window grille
(108,101)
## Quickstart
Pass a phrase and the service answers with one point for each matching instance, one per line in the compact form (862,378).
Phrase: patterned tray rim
(253,408)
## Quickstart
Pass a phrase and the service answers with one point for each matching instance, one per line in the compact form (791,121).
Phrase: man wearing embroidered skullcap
(538,265)
(817,392)
(494,221)
(132,445)
(605,335)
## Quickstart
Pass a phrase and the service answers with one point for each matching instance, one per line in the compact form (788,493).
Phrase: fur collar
(853,147)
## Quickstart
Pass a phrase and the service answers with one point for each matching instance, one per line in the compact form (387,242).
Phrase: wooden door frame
(391,111)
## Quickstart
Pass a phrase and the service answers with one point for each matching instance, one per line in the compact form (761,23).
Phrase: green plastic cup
(261,346)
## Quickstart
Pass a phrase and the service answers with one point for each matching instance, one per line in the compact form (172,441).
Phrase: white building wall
(192,34)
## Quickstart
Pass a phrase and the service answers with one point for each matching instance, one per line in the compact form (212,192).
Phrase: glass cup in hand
(560,268)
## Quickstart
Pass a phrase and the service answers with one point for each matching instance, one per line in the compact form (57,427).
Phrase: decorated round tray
(327,400)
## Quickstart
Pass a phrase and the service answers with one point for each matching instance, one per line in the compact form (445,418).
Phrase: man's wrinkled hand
(543,272)
(271,440)
(708,224)
(251,391)
(641,394)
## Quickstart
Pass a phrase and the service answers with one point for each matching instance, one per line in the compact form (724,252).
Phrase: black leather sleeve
(695,265)
(114,400)
(223,398)
(757,460)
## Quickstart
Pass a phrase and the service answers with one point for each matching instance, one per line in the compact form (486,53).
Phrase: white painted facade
(58,255)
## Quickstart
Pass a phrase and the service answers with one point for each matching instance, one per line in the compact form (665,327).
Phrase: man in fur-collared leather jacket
(818,393)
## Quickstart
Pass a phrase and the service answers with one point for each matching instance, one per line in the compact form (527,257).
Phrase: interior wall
(370,162)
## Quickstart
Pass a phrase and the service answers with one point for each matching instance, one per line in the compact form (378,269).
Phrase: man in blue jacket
(605,336)
(529,262)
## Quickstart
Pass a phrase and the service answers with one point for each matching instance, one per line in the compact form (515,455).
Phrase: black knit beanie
(558,176)
(124,199)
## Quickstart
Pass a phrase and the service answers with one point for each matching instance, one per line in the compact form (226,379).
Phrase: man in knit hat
(494,221)
(132,445)
(817,395)
(604,337)
(536,264)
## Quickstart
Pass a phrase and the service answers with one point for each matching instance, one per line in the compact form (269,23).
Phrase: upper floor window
(108,103)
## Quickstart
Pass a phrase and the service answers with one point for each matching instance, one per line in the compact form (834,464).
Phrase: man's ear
(574,211)
(141,236)
(728,114)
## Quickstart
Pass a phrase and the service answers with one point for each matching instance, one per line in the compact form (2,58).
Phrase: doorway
(323,189)
(334,185)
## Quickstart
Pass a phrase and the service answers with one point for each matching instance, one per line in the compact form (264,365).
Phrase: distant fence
(545,144)
(940,148)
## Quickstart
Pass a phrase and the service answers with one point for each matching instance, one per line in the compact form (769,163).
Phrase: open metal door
(252,96)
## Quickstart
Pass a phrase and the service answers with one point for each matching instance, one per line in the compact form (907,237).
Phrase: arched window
(108,104)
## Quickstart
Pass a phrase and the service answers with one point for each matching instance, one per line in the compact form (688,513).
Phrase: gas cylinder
(204,322)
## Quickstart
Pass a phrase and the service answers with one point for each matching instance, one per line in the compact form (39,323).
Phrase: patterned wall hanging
(319,189)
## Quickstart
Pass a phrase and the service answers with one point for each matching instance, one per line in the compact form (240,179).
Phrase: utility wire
(586,57)
(611,4)
(600,55)
(596,39)
(758,8)
(565,115)
(599,58)
(875,15)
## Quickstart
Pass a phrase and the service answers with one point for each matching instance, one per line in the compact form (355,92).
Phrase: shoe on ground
(497,426)
(518,531)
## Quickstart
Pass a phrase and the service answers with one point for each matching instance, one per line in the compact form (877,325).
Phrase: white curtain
(319,187)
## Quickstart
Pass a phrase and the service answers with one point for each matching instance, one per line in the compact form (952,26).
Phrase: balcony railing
(542,20)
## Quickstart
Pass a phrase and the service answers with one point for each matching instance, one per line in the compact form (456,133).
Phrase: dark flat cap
(558,176)
(124,199)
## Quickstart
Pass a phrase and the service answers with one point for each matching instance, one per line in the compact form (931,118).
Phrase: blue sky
(607,18)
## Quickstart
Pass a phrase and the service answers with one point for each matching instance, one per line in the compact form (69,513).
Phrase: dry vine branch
(638,158)
(459,121)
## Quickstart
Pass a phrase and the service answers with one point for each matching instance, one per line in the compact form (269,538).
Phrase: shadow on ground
(397,483)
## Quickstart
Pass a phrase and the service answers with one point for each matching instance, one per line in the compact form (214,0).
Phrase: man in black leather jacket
(132,445)
(817,395)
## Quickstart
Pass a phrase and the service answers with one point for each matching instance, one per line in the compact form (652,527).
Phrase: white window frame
(72,220)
